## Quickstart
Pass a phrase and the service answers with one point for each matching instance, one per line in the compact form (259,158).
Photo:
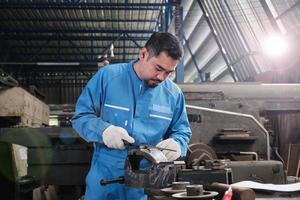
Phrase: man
(134,102)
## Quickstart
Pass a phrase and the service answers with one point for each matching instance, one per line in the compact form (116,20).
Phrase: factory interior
(239,74)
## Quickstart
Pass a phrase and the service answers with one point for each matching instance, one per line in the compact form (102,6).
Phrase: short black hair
(164,42)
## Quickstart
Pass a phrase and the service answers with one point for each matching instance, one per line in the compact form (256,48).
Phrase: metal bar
(270,15)
(72,54)
(45,69)
(287,10)
(69,47)
(59,63)
(193,58)
(107,47)
(66,37)
(248,24)
(256,16)
(223,32)
(179,78)
(167,18)
(41,48)
(133,40)
(240,33)
(81,6)
(74,20)
(231,34)
(217,41)
(76,47)
(6,30)
(92,47)
(124,51)
(158,25)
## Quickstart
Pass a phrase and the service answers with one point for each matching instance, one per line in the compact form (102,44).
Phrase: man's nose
(161,76)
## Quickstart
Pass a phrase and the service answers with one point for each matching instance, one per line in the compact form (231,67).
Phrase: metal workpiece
(153,155)
(137,145)
(148,167)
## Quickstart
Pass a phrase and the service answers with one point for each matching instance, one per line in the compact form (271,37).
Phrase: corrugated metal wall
(238,28)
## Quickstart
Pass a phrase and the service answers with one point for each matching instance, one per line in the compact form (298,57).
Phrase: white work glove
(113,137)
(170,144)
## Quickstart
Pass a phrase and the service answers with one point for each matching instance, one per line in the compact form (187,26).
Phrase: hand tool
(136,144)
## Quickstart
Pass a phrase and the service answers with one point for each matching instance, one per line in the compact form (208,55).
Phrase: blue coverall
(115,95)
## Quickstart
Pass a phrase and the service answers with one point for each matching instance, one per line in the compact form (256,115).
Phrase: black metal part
(148,168)
(105,182)
(146,146)
(205,177)
(198,152)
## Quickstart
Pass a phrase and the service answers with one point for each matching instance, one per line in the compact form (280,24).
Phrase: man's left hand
(170,144)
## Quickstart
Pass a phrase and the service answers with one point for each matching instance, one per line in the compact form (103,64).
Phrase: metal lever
(120,179)
(147,146)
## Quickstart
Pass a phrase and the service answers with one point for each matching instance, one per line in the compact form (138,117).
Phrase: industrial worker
(135,102)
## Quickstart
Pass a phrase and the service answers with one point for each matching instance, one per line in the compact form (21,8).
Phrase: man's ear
(143,53)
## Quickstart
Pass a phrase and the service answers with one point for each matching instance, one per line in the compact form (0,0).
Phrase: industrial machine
(235,136)
(241,120)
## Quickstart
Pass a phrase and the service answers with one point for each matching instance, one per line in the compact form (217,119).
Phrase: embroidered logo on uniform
(162,109)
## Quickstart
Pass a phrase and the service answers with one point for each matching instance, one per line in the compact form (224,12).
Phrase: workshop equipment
(148,168)
(195,192)
(229,126)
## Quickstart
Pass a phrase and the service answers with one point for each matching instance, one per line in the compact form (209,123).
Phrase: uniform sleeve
(86,120)
(180,129)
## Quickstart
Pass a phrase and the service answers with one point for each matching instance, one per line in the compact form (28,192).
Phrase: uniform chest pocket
(158,123)
(116,115)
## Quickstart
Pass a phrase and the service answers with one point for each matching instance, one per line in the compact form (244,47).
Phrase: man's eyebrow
(163,69)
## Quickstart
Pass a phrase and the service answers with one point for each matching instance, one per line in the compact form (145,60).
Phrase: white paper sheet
(293,187)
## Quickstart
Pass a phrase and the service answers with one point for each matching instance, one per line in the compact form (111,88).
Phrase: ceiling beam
(84,6)
(67,47)
(66,37)
(56,63)
(86,20)
(58,31)
(73,54)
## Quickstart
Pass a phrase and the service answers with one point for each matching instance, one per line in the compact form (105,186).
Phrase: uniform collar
(133,74)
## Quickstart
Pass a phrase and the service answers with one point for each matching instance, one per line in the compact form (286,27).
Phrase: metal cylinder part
(194,190)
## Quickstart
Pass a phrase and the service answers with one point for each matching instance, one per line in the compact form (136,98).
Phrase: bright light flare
(275,46)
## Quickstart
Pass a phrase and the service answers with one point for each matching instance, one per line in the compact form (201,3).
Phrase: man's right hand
(113,137)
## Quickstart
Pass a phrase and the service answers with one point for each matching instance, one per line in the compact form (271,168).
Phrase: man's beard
(153,83)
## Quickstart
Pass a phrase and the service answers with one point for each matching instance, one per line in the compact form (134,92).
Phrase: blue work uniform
(115,95)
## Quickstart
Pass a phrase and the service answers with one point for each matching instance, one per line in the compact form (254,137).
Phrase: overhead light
(275,45)
(57,63)
(111,48)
